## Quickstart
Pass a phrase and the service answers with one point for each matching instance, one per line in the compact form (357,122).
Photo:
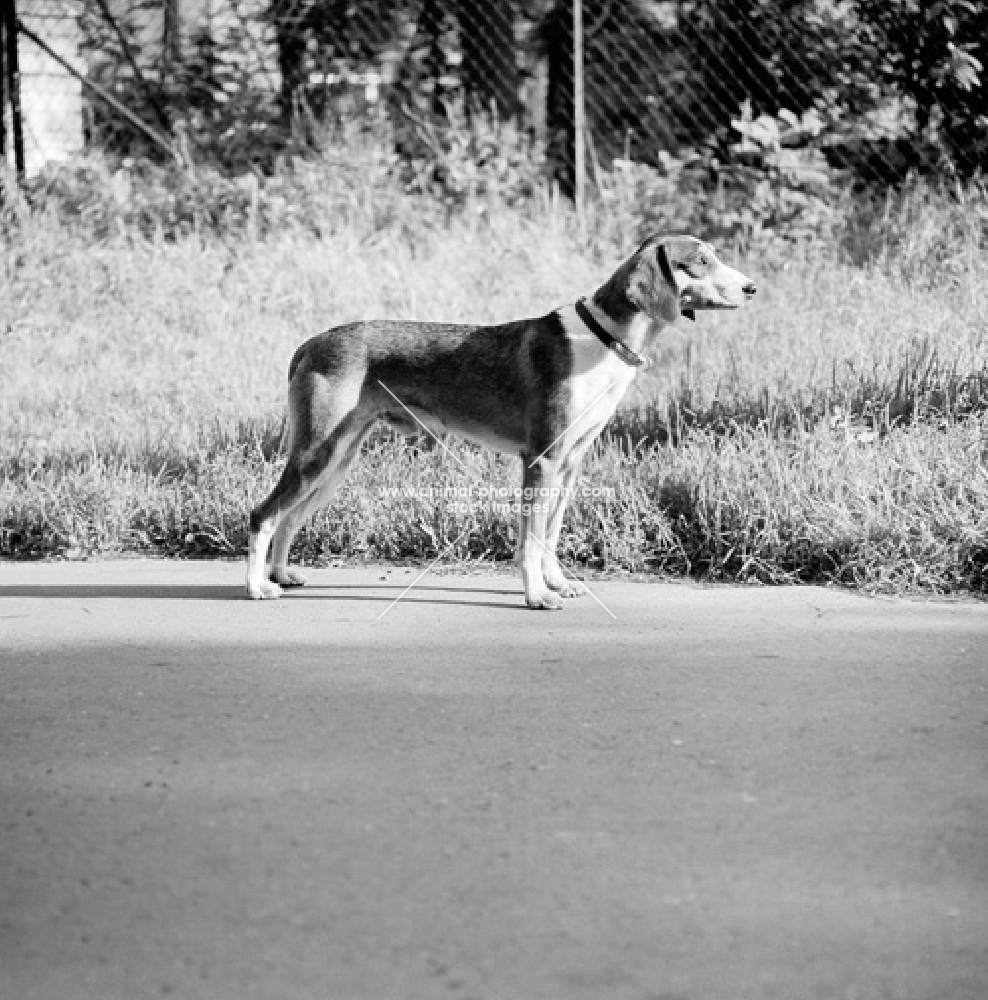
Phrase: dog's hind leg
(280,572)
(324,422)
(263,523)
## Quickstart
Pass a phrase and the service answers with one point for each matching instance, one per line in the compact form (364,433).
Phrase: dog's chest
(598,381)
(597,391)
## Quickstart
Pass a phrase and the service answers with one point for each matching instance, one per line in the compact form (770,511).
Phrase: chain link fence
(588,82)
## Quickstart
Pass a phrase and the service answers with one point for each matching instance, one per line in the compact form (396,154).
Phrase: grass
(833,431)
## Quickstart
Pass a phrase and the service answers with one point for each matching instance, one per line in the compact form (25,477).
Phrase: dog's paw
(288,577)
(266,590)
(544,600)
(564,587)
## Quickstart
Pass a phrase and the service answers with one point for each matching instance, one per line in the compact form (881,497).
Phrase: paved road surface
(718,794)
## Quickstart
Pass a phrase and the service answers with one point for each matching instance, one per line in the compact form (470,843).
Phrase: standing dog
(540,388)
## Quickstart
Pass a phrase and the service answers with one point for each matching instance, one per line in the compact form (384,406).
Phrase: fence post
(3,92)
(579,121)
(13,83)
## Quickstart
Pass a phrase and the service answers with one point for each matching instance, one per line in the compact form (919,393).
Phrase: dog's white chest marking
(598,383)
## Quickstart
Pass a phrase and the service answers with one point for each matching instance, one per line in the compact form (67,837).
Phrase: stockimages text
(473,498)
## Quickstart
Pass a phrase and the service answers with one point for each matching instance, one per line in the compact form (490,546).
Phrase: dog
(540,388)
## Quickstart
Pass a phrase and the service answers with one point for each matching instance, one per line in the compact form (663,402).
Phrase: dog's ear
(663,255)
(670,276)
(652,286)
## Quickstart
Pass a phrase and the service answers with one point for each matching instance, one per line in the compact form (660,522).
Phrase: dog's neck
(622,320)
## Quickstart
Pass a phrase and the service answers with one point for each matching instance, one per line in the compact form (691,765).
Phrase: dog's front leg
(537,483)
(552,572)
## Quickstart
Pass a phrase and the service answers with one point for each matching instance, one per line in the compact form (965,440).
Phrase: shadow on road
(141,592)
(227,593)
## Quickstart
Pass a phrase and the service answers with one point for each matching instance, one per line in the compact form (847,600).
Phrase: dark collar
(625,353)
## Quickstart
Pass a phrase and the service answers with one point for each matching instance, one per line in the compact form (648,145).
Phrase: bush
(321,194)
(469,158)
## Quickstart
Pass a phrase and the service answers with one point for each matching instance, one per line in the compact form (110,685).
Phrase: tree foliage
(895,83)
(935,54)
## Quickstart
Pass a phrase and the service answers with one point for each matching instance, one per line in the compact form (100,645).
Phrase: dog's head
(669,276)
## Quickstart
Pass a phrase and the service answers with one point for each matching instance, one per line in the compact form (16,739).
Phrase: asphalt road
(716,793)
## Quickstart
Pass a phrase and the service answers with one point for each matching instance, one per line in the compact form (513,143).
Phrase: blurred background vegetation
(758,114)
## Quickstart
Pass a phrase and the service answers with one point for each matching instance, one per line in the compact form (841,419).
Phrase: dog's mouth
(729,290)
(688,304)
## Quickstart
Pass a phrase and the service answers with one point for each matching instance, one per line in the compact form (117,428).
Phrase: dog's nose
(749,289)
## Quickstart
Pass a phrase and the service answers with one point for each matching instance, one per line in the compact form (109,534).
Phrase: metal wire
(659,78)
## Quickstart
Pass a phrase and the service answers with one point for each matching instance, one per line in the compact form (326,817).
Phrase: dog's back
(476,380)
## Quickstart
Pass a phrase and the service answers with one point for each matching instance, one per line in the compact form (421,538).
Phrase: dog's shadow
(207,592)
